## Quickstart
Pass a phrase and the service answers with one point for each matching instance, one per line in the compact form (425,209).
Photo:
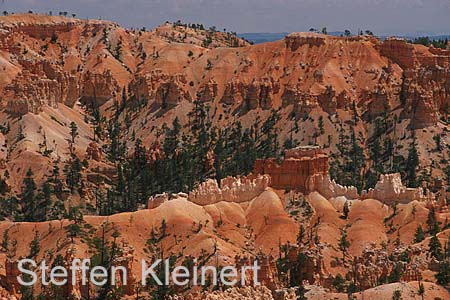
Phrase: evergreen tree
(76,217)
(375,153)
(412,163)
(356,162)
(396,273)
(72,170)
(343,243)
(301,235)
(34,245)
(170,147)
(435,248)
(437,140)
(5,241)
(268,146)
(28,197)
(321,127)
(47,201)
(73,131)
(447,249)
(339,283)
(443,276)
(432,223)
(419,235)
(421,291)
(138,177)
(3,186)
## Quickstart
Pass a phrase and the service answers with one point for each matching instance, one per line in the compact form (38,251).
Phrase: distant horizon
(382,17)
(329,32)
(334,32)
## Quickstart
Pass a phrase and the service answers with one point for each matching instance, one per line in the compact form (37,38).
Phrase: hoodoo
(298,166)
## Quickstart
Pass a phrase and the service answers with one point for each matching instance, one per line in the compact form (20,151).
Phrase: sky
(380,16)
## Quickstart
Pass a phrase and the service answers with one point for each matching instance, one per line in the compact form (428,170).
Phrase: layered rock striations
(295,170)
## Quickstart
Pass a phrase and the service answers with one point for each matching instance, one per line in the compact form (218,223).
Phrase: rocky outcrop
(295,170)
(425,91)
(231,189)
(390,189)
(157,200)
(259,93)
(267,274)
(165,90)
(41,83)
(11,273)
(399,51)
(125,260)
(329,188)
(72,290)
(93,151)
(375,264)
(234,93)
(314,270)
(3,151)
(197,35)
(99,88)
(242,293)
(303,102)
(297,39)
(48,26)
(208,92)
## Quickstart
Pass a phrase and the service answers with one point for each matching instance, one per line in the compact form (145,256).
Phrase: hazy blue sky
(381,16)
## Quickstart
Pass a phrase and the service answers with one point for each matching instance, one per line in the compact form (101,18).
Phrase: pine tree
(139,176)
(74,229)
(5,240)
(268,146)
(419,235)
(432,223)
(435,248)
(447,249)
(421,290)
(339,283)
(343,243)
(375,153)
(47,194)
(356,162)
(321,127)
(412,163)
(170,147)
(20,134)
(443,276)
(3,186)
(301,235)
(437,140)
(73,131)
(72,170)
(34,245)
(28,197)
(396,273)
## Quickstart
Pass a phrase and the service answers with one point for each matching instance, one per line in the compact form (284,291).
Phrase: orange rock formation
(294,171)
